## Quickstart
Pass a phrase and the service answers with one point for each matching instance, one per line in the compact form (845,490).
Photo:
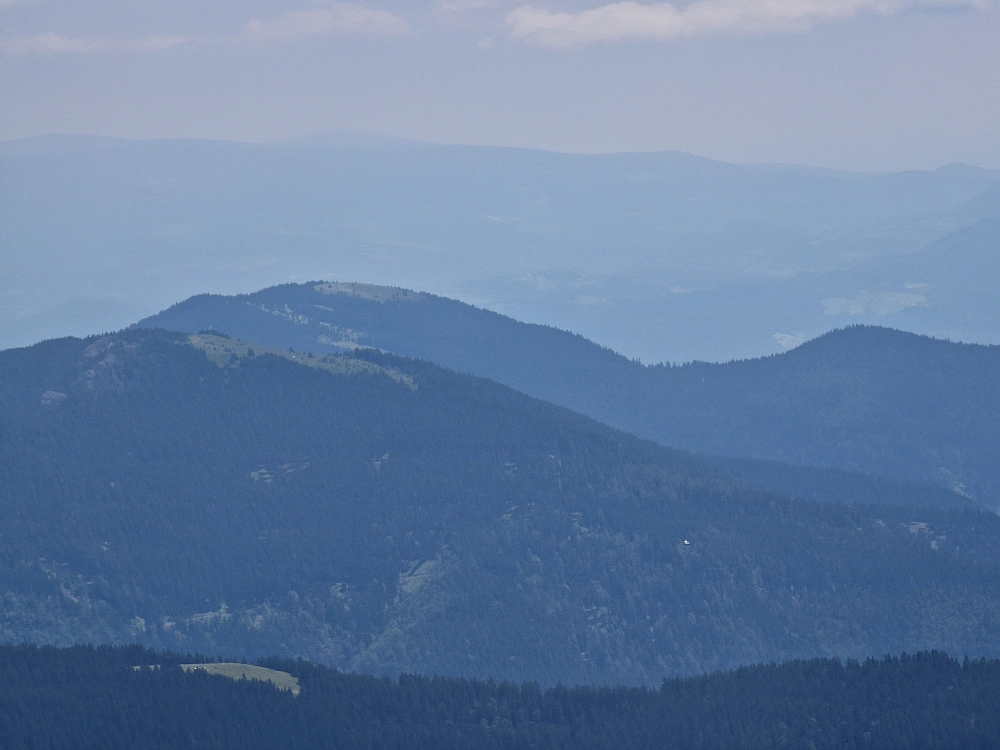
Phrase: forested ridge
(378,513)
(863,399)
(85,697)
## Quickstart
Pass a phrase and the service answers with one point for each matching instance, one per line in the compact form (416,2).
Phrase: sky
(871,85)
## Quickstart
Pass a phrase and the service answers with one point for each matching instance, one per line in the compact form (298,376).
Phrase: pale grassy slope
(238,671)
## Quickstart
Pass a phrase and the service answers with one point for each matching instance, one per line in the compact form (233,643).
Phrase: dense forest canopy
(378,513)
(87,697)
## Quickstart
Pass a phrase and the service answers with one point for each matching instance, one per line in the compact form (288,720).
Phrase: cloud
(342,18)
(56,43)
(789,340)
(664,21)
(461,5)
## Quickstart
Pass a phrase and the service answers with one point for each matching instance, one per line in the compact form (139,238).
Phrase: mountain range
(661,256)
(865,400)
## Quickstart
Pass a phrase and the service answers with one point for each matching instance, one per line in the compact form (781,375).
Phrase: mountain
(378,513)
(862,399)
(135,699)
(662,256)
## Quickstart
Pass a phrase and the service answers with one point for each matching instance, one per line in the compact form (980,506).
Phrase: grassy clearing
(223,351)
(236,671)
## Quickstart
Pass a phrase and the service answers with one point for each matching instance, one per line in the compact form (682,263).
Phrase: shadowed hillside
(863,399)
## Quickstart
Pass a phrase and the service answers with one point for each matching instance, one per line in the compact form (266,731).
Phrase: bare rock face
(104,365)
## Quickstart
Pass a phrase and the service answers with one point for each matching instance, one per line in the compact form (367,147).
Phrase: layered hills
(663,256)
(862,399)
(379,513)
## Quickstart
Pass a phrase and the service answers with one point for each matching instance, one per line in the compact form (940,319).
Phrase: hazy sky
(867,84)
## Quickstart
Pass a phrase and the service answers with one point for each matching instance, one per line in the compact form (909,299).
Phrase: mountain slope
(379,513)
(862,399)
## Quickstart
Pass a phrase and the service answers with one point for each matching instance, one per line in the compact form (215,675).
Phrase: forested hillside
(863,399)
(382,514)
(86,697)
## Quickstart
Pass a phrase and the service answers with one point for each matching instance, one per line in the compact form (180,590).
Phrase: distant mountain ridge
(863,399)
(382,514)
(663,256)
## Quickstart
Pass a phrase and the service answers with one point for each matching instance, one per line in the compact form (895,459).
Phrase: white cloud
(342,18)
(55,43)
(463,5)
(664,21)
(789,340)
